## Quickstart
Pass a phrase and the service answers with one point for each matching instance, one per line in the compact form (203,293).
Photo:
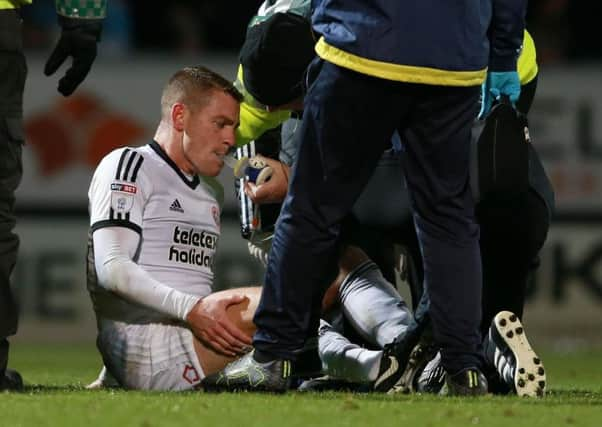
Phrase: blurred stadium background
(144,42)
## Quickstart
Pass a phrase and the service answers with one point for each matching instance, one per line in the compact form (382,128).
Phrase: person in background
(81,24)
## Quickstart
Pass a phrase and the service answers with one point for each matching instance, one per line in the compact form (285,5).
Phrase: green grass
(54,395)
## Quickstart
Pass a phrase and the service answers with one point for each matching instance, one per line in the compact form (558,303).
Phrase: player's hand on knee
(274,190)
(209,322)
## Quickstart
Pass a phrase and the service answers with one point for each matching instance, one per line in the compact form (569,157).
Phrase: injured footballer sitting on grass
(154,228)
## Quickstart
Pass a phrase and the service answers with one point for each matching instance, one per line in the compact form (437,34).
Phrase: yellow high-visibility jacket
(13,4)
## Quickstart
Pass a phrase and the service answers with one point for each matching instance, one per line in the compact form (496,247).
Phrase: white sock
(373,306)
(345,360)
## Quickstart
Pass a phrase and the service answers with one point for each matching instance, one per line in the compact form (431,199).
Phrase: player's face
(209,132)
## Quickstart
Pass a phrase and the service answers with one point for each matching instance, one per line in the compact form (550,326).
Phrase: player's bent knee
(351,257)
(241,314)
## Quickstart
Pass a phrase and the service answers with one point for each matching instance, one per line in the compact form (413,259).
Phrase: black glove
(78,39)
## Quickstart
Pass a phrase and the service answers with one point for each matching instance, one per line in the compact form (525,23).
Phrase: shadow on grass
(54,388)
(592,397)
(554,397)
(47,388)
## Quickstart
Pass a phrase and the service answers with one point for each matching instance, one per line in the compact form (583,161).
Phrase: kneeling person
(154,228)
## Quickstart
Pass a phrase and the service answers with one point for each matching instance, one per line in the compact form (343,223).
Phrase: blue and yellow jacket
(254,120)
(438,42)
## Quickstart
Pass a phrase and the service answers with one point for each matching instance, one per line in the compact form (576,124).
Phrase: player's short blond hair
(193,87)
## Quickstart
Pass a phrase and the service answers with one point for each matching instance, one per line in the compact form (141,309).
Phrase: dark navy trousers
(348,121)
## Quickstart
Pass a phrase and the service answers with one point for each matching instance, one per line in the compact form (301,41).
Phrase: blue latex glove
(497,84)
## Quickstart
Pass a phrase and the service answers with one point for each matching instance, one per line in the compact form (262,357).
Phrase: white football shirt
(177,217)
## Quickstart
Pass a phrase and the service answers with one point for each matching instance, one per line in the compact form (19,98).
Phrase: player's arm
(114,250)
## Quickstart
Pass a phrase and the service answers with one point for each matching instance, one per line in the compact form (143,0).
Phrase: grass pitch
(54,396)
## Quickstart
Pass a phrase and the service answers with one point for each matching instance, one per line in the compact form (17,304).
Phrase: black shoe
(517,365)
(468,382)
(399,354)
(246,374)
(389,373)
(418,369)
(325,383)
(432,378)
(307,363)
(11,380)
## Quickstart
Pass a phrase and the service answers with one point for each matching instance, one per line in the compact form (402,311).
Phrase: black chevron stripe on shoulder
(129,165)
(137,168)
(120,164)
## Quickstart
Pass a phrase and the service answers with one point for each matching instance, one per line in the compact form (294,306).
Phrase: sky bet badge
(122,197)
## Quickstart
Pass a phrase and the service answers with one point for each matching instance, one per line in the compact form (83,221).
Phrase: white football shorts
(150,356)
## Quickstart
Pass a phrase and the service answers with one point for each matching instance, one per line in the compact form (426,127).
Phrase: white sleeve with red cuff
(114,250)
